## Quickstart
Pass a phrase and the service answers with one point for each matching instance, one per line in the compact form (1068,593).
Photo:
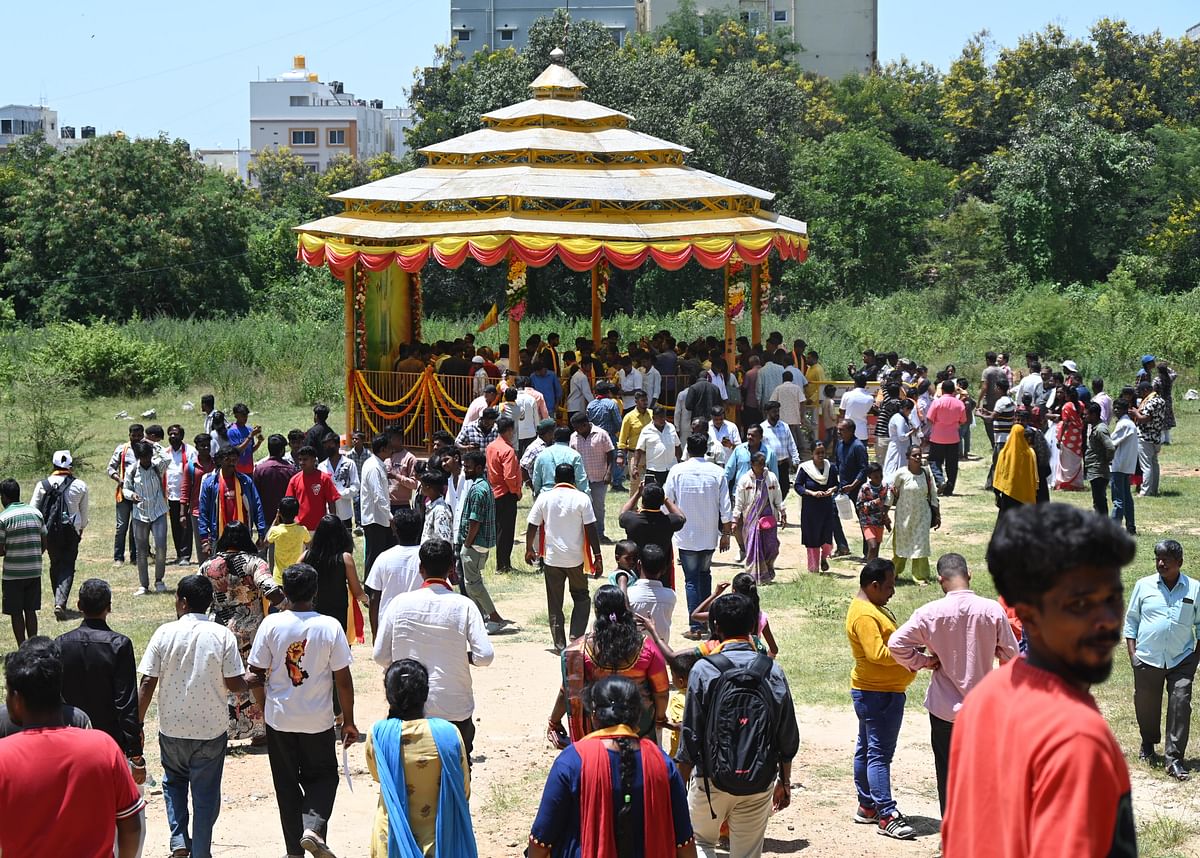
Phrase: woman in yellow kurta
(420,812)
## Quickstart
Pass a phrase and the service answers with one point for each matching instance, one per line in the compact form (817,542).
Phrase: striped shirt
(21,532)
(479,505)
(594,450)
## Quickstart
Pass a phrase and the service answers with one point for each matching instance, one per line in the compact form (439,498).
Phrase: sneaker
(493,628)
(314,844)
(866,815)
(60,612)
(160,586)
(140,591)
(1146,754)
(842,552)
(119,561)
(895,826)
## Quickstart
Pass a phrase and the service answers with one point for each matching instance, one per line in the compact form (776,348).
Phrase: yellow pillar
(596,306)
(514,344)
(755,304)
(349,356)
(402,304)
(730,334)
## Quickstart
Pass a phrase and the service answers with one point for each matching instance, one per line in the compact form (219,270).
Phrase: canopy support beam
(514,343)
(596,306)
(348,280)
(730,330)
(755,307)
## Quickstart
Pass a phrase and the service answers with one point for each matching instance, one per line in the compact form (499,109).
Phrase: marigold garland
(418,304)
(518,289)
(360,316)
(764,287)
(604,271)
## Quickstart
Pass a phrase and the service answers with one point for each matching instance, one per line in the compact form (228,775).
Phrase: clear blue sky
(183,68)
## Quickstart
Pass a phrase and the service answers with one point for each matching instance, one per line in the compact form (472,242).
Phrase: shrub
(104,359)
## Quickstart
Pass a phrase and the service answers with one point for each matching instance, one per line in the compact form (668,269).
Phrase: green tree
(867,206)
(120,228)
(285,181)
(901,100)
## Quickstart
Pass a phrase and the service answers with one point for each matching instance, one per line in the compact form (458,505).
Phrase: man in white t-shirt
(569,530)
(445,632)
(856,405)
(648,596)
(657,448)
(298,656)
(397,570)
(196,661)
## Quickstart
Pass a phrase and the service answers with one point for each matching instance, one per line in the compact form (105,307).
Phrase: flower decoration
(735,264)
(518,289)
(418,304)
(360,315)
(736,302)
(517,311)
(764,286)
(602,281)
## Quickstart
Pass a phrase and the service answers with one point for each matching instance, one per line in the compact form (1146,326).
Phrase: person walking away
(915,502)
(1097,457)
(375,504)
(758,513)
(613,788)
(504,475)
(1161,625)
(477,536)
(956,637)
(1101,398)
(648,596)
(189,490)
(598,455)
(144,486)
(443,631)
(989,394)
(698,489)
(790,396)
(745,787)
(1164,385)
(1016,478)
(946,415)
(998,420)
(398,570)
(121,461)
(63,790)
(648,518)
(331,554)
(62,500)
(286,538)
(1124,464)
(1151,411)
(885,410)
(344,474)
(196,661)
(22,542)
(569,538)
(320,428)
(816,483)
(877,686)
(423,771)
(181,454)
(298,657)
(1057,783)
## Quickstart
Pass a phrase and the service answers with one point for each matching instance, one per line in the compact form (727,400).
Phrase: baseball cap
(62,459)
(1147,358)
(1070,365)
(545,425)
(477,359)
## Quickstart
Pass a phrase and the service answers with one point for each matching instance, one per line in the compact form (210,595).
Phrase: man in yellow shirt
(877,686)
(815,376)
(631,429)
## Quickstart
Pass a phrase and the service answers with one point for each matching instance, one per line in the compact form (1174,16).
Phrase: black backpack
(738,752)
(54,510)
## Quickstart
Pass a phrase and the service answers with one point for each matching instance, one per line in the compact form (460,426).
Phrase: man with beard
(1034,767)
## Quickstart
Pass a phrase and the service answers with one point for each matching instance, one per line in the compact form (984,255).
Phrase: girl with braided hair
(611,794)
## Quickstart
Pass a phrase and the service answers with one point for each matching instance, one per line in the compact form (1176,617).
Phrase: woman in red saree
(1069,476)
(615,646)
(612,795)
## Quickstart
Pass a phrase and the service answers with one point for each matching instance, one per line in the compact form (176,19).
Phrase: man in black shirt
(315,436)
(99,675)
(654,524)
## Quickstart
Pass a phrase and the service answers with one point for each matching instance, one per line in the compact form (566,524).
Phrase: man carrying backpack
(739,735)
(62,499)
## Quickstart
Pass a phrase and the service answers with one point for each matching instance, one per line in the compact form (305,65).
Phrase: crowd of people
(664,750)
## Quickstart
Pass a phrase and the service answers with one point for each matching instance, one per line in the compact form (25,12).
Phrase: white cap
(62,459)
(477,359)
(1070,366)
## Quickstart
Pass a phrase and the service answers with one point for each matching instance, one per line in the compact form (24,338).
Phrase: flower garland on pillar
(418,303)
(602,281)
(735,304)
(518,289)
(764,286)
(360,315)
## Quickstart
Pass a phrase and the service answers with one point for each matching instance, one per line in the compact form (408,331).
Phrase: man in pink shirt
(945,415)
(961,635)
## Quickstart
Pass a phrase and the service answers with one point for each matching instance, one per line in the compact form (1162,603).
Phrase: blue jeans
(1122,499)
(618,469)
(879,716)
(197,763)
(599,495)
(697,577)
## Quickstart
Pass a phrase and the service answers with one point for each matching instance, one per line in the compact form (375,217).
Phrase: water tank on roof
(299,70)
(377,103)
(67,132)
(87,132)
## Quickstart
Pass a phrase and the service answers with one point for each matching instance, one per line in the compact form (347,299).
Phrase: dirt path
(514,696)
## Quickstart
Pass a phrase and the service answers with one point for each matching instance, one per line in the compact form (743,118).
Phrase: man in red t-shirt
(63,791)
(1034,768)
(313,489)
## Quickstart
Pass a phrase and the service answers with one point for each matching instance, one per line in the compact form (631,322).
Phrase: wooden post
(349,311)
(428,404)
(730,335)
(755,304)
(596,306)
(514,344)
(402,304)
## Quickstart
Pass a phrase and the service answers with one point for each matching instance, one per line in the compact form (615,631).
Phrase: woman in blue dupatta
(421,766)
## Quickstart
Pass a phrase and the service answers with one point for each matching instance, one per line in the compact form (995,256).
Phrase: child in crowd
(873,509)
(287,538)
(648,596)
(510,408)
(627,557)
(295,442)
(827,427)
(742,583)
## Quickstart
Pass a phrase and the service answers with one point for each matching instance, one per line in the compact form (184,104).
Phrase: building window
(781,16)
(304,138)
(337,136)
(6,126)
(507,35)
(463,35)
(297,101)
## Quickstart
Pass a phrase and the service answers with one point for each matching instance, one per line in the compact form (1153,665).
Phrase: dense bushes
(103,359)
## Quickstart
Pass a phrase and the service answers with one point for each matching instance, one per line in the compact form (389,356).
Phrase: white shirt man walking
(957,637)
(62,538)
(699,489)
(375,505)
(445,632)
(196,661)
(569,533)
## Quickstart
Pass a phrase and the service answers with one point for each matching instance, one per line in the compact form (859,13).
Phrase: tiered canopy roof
(554,175)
